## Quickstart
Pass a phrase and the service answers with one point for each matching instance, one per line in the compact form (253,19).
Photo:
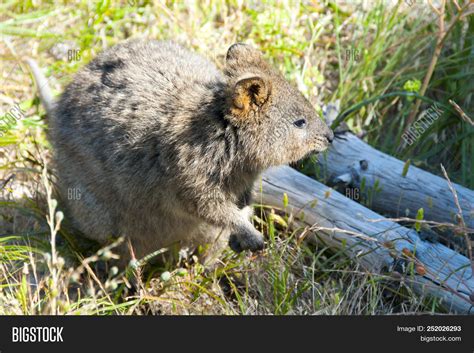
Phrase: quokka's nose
(329,135)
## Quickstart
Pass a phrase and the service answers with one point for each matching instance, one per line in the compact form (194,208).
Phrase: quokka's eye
(300,123)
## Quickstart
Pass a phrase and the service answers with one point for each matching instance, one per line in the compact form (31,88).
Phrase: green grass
(396,50)
(361,57)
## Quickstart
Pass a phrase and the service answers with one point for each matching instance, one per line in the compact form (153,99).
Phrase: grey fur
(164,148)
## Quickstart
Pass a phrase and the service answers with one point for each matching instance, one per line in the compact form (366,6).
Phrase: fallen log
(396,189)
(378,244)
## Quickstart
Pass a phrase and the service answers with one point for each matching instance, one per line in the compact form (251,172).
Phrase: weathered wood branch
(370,239)
(350,160)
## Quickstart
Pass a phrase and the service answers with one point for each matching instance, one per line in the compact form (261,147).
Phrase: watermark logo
(353,193)
(37,334)
(73,55)
(74,194)
(9,119)
(427,118)
(352,54)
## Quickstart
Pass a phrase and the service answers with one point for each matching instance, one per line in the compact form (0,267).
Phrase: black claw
(238,246)
(258,245)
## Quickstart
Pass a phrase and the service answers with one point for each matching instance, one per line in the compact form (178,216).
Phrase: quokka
(164,148)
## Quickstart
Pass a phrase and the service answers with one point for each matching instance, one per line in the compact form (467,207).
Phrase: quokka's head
(276,124)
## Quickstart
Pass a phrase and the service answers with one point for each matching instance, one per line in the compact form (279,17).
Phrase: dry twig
(440,39)
(460,216)
(461,113)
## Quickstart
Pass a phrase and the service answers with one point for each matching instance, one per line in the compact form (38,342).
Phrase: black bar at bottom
(279,333)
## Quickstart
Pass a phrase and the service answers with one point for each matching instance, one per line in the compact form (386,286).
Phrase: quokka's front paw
(247,240)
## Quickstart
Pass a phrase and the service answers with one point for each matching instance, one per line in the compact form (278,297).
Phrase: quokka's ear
(241,56)
(249,93)
(238,50)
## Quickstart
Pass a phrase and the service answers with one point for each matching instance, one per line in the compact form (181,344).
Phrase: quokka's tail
(42,85)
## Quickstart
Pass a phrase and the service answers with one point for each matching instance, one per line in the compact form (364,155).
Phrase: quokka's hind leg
(86,195)
(205,240)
